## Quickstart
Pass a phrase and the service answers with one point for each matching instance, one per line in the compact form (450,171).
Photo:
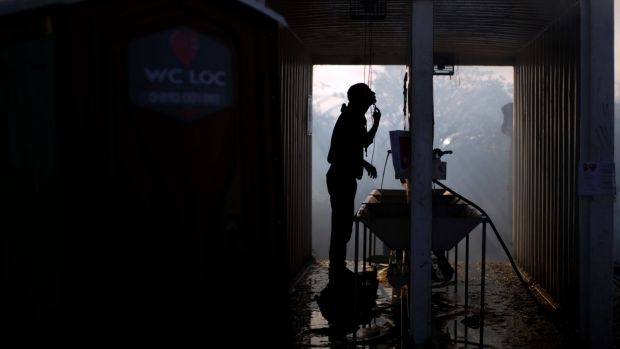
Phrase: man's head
(361,95)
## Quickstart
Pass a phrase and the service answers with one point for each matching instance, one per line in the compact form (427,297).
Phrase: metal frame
(368,235)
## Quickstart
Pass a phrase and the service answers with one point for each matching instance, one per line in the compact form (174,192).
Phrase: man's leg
(342,197)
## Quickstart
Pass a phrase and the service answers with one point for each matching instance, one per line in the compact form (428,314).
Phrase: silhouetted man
(346,156)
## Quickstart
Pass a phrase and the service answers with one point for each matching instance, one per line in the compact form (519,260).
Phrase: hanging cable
(384,166)
(501,241)
(406,108)
(370,79)
(364,39)
(365,60)
(370,54)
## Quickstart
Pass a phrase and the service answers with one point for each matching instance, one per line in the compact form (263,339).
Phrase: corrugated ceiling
(478,32)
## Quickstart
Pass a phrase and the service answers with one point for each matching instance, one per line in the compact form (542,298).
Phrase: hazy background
(468,120)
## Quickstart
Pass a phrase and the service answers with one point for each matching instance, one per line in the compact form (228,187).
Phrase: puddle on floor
(511,319)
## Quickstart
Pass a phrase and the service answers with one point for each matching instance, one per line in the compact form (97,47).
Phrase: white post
(420,179)
(596,145)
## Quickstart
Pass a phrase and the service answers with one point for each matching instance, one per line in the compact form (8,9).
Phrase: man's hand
(372,171)
(376,115)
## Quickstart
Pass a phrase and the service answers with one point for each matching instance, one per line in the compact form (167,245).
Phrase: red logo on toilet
(184,44)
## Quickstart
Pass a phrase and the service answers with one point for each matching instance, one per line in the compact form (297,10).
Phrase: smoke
(468,120)
(473,118)
(330,86)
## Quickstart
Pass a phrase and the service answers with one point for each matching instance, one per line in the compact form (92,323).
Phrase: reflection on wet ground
(312,330)
(511,319)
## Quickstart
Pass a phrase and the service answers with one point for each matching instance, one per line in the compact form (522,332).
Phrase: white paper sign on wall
(597,178)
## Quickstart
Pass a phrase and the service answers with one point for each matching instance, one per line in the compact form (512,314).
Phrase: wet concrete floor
(511,318)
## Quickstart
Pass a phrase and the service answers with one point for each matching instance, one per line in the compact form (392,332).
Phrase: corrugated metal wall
(296,87)
(545,158)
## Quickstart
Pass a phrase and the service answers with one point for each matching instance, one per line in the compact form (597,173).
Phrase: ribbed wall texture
(296,87)
(545,158)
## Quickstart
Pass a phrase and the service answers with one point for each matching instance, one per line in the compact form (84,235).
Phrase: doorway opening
(473,117)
